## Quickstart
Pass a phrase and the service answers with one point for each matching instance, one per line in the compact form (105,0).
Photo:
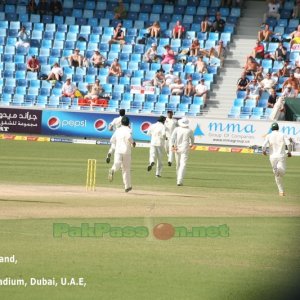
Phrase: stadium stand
(88,26)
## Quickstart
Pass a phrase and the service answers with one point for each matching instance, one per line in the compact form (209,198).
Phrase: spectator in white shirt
(267,84)
(68,89)
(273,11)
(170,77)
(56,73)
(202,91)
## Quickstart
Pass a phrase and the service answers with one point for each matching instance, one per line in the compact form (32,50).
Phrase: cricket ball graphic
(163,231)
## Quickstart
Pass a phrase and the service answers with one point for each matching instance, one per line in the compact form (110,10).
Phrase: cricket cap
(274,126)
(125,121)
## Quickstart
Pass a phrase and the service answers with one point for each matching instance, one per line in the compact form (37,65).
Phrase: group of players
(175,138)
(167,135)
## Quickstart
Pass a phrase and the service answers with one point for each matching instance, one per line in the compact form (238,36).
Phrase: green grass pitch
(258,260)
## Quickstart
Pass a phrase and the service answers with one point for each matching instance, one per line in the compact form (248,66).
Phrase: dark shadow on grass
(30,201)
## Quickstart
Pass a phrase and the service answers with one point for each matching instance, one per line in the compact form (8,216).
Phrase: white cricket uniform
(170,125)
(157,132)
(277,143)
(122,141)
(182,138)
(113,126)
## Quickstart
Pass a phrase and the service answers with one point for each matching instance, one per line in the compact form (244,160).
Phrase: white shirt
(116,123)
(276,142)
(273,8)
(68,88)
(122,140)
(157,132)
(267,83)
(200,88)
(170,125)
(182,138)
(170,78)
(57,70)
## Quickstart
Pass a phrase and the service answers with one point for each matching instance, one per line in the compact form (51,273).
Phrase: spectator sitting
(154,30)
(177,88)
(68,89)
(94,92)
(118,35)
(201,66)
(120,11)
(97,59)
(265,34)
(268,84)
(55,7)
(259,74)
(31,7)
(159,79)
(56,73)
(251,65)
(280,53)
(253,91)
(273,11)
(272,99)
(295,35)
(169,56)
(219,51)
(297,74)
(285,70)
(170,78)
(219,23)
(33,65)
(151,54)
(23,38)
(178,31)
(259,50)
(115,68)
(242,83)
(76,59)
(43,7)
(195,48)
(288,91)
(296,10)
(293,82)
(206,25)
(189,89)
(202,91)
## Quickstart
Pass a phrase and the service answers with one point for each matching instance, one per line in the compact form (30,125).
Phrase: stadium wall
(227,132)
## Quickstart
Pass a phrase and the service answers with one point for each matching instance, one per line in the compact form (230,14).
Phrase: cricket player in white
(157,132)
(113,126)
(170,125)
(182,140)
(277,143)
(122,142)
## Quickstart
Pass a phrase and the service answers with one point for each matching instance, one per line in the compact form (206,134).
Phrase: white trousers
(279,166)
(123,161)
(156,154)
(168,148)
(181,160)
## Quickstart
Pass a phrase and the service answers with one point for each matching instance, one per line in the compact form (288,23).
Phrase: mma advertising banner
(238,132)
(20,120)
(91,125)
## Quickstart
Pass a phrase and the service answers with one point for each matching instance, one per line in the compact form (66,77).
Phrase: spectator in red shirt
(259,50)
(33,64)
(178,30)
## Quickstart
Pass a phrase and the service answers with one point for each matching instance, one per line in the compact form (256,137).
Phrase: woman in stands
(151,54)
(169,56)
(195,48)
(159,79)
(295,35)
(154,30)
(118,35)
(189,89)
(206,25)
(178,31)
(56,73)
